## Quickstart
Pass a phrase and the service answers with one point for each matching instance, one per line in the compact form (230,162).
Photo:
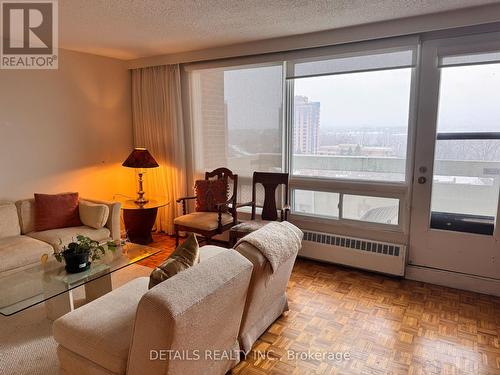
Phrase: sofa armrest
(199,309)
(113,223)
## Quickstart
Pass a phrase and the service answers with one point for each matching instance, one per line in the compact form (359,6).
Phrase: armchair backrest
(232,180)
(271,181)
(196,312)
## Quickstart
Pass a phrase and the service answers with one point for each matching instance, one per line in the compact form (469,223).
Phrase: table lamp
(140,158)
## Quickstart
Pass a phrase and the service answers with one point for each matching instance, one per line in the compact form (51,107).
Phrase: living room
(256,187)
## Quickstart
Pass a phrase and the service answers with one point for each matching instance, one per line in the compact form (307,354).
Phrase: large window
(237,116)
(351,117)
(344,118)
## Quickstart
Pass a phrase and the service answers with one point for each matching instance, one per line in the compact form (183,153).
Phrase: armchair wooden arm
(183,200)
(248,204)
(230,207)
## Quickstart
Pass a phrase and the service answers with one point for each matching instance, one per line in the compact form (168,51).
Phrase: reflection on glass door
(465,184)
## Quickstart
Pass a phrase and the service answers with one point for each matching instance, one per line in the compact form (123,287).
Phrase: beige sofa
(196,313)
(224,303)
(17,250)
(266,298)
(22,246)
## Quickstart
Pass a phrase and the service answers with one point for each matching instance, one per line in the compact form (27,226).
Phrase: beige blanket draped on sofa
(158,126)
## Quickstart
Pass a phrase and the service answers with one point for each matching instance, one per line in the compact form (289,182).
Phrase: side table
(139,219)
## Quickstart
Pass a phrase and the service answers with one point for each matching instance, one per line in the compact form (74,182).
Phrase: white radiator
(370,255)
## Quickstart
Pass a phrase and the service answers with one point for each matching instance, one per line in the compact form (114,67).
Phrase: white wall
(67,129)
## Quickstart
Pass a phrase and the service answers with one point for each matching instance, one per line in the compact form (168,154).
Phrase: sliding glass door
(457,163)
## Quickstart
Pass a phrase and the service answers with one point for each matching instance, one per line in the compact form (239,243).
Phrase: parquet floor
(167,246)
(344,321)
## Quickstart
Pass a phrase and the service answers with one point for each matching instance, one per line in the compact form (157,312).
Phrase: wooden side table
(139,219)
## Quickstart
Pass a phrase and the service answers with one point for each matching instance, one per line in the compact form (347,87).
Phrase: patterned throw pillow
(186,255)
(209,193)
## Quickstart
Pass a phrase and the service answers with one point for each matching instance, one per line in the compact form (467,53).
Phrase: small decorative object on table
(78,255)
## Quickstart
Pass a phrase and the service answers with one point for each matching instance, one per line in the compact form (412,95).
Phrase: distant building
(306,126)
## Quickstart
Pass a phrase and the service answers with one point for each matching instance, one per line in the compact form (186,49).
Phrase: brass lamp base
(140,200)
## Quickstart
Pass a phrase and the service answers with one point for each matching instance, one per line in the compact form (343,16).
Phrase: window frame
(400,190)
(379,192)
(290,92)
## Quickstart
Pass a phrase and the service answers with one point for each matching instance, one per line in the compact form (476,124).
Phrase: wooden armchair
(270,181)
(209,224)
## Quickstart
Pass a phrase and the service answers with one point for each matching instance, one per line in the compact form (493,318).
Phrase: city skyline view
(354,126)
(380,129)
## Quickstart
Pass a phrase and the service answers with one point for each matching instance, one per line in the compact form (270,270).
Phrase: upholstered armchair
(270,181)
(213,222)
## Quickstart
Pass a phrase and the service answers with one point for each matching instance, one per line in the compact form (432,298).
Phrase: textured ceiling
(129,29)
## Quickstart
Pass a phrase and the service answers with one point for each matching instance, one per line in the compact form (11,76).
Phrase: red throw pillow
(54,211)
(209,193)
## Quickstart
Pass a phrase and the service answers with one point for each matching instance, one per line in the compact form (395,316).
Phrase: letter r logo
(27,27)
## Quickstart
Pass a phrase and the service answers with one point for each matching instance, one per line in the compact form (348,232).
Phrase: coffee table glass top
(38,283)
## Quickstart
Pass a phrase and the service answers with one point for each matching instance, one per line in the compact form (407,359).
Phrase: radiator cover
(384,257)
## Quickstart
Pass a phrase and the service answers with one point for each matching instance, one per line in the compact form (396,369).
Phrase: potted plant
(79,254)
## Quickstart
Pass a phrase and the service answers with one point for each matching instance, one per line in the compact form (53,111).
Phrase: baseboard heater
(384,257)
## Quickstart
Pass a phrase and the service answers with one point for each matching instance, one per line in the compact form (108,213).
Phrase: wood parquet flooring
(167,246)
(386,325)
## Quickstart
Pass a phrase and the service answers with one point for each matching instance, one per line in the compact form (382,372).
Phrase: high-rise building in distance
(306,126)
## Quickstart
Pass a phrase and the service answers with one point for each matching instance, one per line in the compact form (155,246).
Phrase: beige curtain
(158,126)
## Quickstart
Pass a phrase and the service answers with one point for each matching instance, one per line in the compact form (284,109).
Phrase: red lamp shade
(140,158)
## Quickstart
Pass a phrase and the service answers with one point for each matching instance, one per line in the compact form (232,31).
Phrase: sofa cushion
(104,338)
(58,238)
(202,220)
(93,214)
(186,255)
(9,221)
(26,212)
(54,211)
(19,251)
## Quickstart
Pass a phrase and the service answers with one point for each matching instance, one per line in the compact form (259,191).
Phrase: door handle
(422,180)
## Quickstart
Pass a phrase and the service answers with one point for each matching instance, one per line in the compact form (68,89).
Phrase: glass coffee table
(50,283)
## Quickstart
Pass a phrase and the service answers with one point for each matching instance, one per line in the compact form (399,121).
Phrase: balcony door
(457,161)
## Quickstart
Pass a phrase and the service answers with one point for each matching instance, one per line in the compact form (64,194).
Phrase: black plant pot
(77,262)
